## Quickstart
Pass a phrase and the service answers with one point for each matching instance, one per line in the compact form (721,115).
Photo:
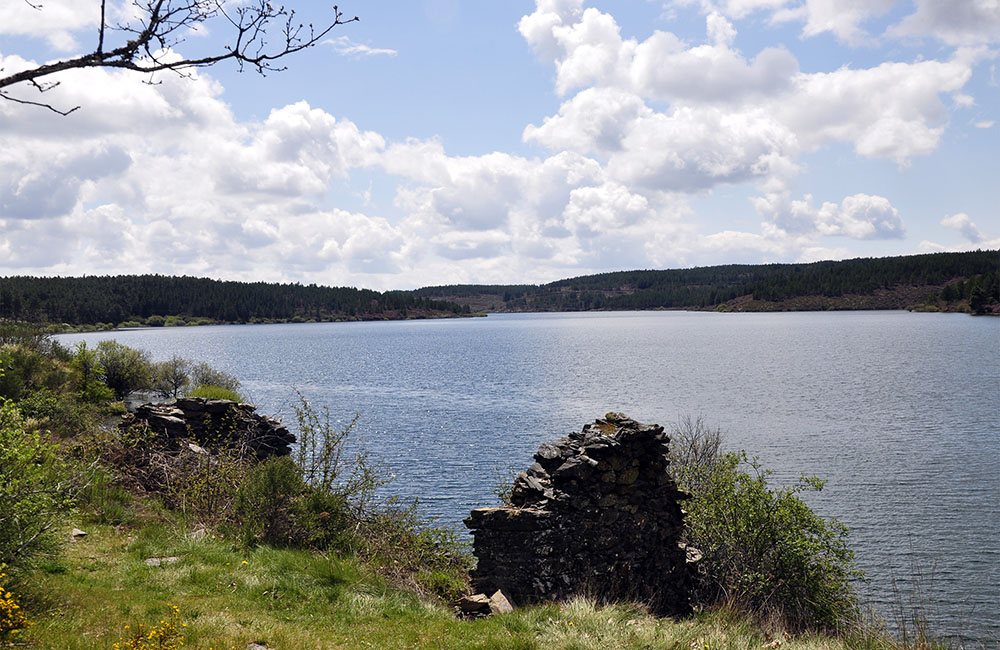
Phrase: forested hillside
(939,281)
(952,281)
(158,300)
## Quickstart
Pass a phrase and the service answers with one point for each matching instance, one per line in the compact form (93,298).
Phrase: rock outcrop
(213,423)
(596,515)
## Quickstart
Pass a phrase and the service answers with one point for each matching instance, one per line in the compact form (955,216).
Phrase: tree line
(973,277)
(135,299)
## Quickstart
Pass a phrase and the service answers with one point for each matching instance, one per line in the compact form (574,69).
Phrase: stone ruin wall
(596,515)
(214,423)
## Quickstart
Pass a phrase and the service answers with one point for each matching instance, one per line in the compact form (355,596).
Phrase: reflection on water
(898,411)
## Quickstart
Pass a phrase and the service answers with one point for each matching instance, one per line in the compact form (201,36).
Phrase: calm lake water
(898,411)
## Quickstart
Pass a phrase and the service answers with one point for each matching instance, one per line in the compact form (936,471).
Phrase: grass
(299,599)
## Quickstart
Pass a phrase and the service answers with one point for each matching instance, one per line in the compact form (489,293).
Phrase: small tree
(125,369)
(171,376)
(88,375)
(203,374)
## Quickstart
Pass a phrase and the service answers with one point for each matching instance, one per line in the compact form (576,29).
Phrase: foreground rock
(596,515)
(479,605)
(213,423)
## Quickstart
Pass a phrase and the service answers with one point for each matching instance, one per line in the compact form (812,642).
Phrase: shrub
(203,374)
(37,489)
(171,377)
(24,369)
(58,412)
(276,506)
(324,497)
(412,552)
(125,369)
(12,618)
(764,550)
(312,499)
(88,372)
(216,392)
(31,335)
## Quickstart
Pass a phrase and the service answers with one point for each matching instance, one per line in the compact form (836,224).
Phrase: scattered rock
(596,514)
(77,533)
(258,646)
(475,604)
(499,604)
(198,534)
(479,605)
(160,561)
(197,449)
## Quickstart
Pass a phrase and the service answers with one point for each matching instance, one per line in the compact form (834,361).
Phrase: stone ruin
(215,423)
(596,515)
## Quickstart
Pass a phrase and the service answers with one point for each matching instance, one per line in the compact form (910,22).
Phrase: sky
(506,141)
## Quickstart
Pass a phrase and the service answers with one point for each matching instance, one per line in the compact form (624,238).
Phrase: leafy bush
(26,368)
(764,550)
(89,371)
(125,369)
(61,413)
(171,377)
(276,506)
(30,335)
(203,374)
(324,497)
(37,489)
(216,392)
(310,500)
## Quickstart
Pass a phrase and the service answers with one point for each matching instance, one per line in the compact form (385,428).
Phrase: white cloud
(52,20)
(843,18)
(969,22)
(665,68)
(694,149)
(965,22)
(893,110)
(736,9)
(861,216)
(720,30)
(345,46)
(962,223)
(984,124)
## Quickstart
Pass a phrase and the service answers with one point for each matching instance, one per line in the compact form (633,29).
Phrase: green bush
(37,489)
(25,369)
(215,392)
(30,335)
(324,498)
(60,412)
(171,377)
(276,506)
(125,369)
(203,374)
(764,550)
(88,372)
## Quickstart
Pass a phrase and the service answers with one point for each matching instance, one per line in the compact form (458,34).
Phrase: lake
(898,411)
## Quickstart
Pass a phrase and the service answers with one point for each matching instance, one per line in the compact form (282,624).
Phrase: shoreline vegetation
(938,282)
(195,542)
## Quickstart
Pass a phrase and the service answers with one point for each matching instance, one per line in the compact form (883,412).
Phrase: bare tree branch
(261,34)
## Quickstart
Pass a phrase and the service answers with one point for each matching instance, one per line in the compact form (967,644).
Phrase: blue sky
(443,142)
